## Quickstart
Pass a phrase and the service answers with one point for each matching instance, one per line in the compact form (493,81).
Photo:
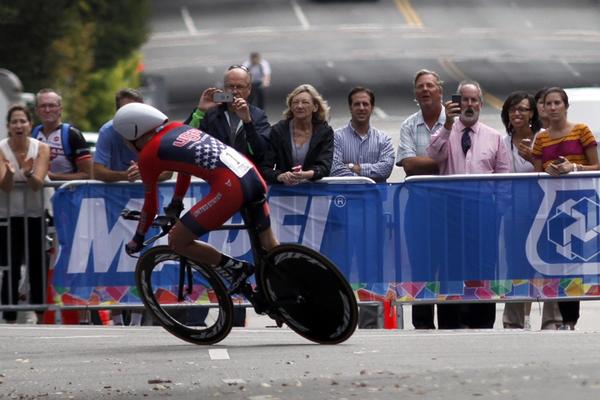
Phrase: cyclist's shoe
(235,273)
(239,276)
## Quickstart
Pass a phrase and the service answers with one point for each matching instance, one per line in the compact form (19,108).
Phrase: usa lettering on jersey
(191,135)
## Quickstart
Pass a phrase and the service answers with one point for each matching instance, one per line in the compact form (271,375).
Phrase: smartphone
(558,161)
(223,97)
(456,98)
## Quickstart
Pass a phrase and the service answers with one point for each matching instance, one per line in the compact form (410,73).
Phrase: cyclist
(234,182)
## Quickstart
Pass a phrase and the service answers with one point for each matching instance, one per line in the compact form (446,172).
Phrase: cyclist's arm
(182,185)
(149,172)
(150,207)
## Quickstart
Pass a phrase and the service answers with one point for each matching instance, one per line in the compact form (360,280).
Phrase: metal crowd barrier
(46,231)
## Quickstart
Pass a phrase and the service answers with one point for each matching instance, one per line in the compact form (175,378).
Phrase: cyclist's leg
(225,199)
(257,213)
(183,241)
(267,239)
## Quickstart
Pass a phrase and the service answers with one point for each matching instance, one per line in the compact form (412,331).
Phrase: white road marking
(188,21)
(218,354)
(300,15)
(380,113)
(570,68)
(81,337)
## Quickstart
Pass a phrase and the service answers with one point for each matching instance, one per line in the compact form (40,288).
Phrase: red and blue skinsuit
(234,181)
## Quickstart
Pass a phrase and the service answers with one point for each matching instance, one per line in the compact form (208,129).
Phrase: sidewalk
(588,321)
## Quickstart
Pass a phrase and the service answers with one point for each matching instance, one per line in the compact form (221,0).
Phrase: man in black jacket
(233,121)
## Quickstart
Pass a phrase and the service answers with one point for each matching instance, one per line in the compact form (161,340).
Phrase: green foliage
(27,38)
(120,28)
(87,50)
(105,83)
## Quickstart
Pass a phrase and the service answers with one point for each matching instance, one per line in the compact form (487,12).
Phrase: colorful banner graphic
(426,239)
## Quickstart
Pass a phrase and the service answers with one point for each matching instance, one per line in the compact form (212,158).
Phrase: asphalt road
(335,45)
(268,364)
(505,45)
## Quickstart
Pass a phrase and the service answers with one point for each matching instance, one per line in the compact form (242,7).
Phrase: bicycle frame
(258,253)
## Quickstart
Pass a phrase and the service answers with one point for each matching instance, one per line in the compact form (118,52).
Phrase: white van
(584,107)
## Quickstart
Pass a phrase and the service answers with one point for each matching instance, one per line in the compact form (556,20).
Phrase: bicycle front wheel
(310,293)
(189,300)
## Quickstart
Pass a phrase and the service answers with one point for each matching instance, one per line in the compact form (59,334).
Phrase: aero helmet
(134,120)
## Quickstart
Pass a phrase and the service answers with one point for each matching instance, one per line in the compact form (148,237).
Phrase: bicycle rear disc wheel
(190,302)
(310,293)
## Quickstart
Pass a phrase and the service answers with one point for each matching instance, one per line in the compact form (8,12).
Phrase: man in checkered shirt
(234,181)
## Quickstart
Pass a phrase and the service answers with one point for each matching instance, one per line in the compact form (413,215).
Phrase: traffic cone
(49,315)
(105,318)
(390,317)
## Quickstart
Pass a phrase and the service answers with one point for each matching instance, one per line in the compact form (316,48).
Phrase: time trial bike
(294,285)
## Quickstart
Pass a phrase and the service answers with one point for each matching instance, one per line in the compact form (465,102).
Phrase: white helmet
(134,120)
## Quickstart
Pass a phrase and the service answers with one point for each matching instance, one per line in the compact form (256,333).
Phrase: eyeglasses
(521,110)
(238,66)
(235,87)
(49,106)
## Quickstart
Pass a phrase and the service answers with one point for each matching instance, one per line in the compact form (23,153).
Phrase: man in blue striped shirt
(358,148)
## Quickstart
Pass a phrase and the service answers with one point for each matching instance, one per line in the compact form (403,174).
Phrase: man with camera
(467,146)
(227,115)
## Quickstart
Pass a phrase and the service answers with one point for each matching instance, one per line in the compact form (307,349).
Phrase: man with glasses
(70,157)
(233,121)
(467,146)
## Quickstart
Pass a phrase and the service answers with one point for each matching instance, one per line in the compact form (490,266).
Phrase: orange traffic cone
(105,317)
(49,315)
(390,316)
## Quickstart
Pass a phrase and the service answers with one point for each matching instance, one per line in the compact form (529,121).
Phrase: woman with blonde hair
(25,161)
(301,144)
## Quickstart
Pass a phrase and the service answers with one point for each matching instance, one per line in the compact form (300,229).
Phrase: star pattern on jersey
(207,153)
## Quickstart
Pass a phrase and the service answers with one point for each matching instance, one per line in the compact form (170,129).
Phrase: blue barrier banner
(428,239)
(499,238)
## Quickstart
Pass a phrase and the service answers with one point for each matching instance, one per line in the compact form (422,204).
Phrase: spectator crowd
(443,136)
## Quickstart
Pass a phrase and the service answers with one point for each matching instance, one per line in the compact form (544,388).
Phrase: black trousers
(569,311)
(467,315)
(257,95)
(422,316)
(34,266)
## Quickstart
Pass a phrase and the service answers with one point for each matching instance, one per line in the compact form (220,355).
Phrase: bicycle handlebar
(164,222)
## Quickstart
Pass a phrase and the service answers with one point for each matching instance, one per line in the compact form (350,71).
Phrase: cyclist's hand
(174,209)
(135,245)
(132,248)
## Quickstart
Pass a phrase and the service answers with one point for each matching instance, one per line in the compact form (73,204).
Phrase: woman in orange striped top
(562,148)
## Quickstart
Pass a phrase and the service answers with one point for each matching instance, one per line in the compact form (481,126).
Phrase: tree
(68,45)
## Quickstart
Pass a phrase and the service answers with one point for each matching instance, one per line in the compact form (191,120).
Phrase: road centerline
(300,15)
(188,21)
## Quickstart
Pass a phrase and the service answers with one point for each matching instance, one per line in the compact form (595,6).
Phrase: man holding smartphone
(467,146)
(227,115)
